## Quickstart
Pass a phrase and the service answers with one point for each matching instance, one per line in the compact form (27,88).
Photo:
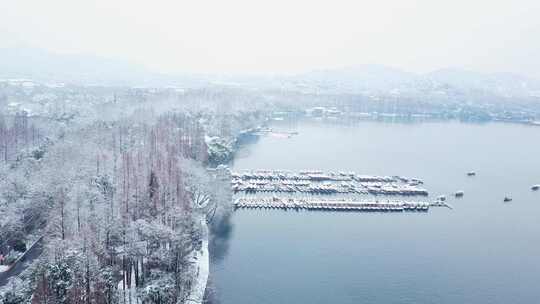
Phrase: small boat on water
(459,193)
(441,198)
(471,173)
(507,199)
(535,187)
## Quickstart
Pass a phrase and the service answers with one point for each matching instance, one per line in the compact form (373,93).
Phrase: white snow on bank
(128,295)
(202,260)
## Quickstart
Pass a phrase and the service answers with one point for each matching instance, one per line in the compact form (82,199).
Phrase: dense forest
(119,207)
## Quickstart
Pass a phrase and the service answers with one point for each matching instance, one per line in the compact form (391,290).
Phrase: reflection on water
(483,251)
(221,235)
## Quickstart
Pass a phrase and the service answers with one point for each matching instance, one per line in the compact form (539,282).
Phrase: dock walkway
(304,190)
(317,182)
(330,205)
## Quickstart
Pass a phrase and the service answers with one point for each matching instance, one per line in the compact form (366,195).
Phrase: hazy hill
(445,84)
(45,66)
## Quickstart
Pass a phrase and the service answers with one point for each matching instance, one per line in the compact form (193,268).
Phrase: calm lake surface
(483,251)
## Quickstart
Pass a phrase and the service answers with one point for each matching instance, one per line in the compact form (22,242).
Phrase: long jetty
(316,175)
(304,190)
(318,182)
(332,205)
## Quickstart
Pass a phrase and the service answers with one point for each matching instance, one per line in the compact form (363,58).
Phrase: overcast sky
(284,36)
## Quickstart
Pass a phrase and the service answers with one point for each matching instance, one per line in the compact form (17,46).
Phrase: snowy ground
(130,295)
(202,260)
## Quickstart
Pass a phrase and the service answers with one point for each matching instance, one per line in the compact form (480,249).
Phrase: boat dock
(304,190)
(316,175)
(333,205)
(318,182)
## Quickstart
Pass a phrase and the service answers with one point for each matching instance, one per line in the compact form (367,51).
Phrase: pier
(334,205)
(318,182)
(315,190)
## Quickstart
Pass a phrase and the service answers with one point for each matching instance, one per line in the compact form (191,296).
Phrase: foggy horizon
(269,151)
(356,66)
(278,38)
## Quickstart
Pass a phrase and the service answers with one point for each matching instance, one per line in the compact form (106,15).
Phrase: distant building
(317,111)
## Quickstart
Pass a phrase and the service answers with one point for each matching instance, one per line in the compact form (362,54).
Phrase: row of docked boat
(319,189)
(330,205)
(317,175)
(328,188)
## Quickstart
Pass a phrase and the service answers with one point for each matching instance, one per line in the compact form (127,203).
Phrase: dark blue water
(483,251)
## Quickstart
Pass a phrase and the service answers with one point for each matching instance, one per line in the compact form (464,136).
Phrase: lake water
(483,251)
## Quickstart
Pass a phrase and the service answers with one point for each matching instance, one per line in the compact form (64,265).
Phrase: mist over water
(482,251)
(117,138)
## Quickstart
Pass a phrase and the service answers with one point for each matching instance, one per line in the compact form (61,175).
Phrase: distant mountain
(445,85)
(364,78)
(501,84)
(45,66)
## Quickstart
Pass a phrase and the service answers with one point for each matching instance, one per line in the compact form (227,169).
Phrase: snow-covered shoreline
(202,260)
(201,268)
